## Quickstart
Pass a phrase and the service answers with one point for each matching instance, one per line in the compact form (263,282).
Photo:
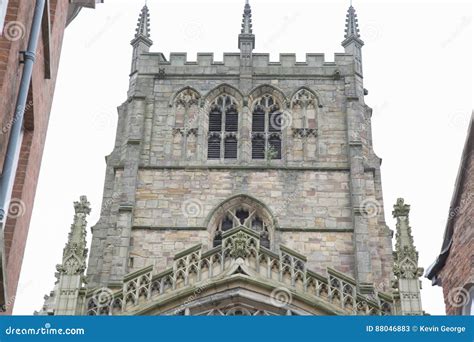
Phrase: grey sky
(417,68)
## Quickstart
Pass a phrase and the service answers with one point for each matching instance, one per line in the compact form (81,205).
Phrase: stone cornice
(282,229)
(241,167)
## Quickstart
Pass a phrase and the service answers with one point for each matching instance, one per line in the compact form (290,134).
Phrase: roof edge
(433,269)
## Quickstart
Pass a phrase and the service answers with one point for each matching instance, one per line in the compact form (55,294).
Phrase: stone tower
(244,187)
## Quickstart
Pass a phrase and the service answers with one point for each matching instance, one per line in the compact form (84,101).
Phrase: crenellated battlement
(178,63)
(258,59)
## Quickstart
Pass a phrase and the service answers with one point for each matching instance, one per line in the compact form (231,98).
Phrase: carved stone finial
(400,209)
(405,266)
(352,23)
(143,25)
(352,33)
(142,32)
(83,206)
(246,36)
(75,251)
(404,239)
(247,19)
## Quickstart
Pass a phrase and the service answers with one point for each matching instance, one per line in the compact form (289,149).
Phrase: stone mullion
(305,138)
(203,132)
(184,134)
(223,135)
(245,135)
(266,130)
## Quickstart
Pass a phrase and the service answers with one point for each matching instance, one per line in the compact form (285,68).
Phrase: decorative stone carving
(304,132)
(185,132)
(239,245)
(304,99)
(405,268)
(161,74)
(186,98)
(75,251)
(240,253)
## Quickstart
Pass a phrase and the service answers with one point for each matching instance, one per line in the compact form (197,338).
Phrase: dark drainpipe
(14,143)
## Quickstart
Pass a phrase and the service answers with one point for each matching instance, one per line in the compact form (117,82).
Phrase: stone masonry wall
(308,191)
(36,119)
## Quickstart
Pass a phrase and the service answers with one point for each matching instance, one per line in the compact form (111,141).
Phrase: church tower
(246,187)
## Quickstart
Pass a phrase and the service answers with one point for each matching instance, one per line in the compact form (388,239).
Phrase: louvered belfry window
(231,120)
(223,129)
(215,120)
(258,146)
(214,147)
(266,129)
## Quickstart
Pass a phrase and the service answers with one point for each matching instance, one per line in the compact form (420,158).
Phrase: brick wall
(458,271)
(36,123)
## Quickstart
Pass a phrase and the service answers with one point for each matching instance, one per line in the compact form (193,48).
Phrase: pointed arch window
(266,129)
(186,104)
(223,128)
(243,216)
(304,106)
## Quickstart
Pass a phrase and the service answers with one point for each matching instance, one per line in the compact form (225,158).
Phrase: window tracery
(303,105)
(223,128)
(266,128)
(186,105)
(243,216)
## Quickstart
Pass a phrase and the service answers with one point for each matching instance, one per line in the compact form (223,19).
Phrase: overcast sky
(417,68)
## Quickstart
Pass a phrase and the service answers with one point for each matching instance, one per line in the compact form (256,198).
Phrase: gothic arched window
(246,216)
(266,129)
(223,128)
(186,123)
(304,104)
(186,105)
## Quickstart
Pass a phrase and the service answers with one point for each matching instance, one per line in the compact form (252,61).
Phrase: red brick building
(17,22)
(454,267)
